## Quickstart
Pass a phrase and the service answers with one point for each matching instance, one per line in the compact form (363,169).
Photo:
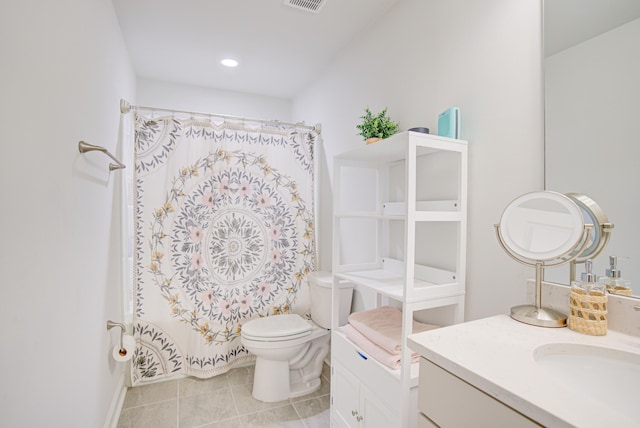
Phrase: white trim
(115,408)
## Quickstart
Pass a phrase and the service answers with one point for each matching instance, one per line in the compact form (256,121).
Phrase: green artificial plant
(378,126)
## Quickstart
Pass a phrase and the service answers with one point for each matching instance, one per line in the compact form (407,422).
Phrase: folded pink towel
(383,326)
(392,361)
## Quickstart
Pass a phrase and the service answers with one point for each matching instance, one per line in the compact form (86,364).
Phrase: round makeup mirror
(600,234)
(542,226)
(543,229)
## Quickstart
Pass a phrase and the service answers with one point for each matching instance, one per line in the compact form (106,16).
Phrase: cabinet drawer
(372,374)
(442,396)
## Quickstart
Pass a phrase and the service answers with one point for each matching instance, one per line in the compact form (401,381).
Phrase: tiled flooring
(222,401)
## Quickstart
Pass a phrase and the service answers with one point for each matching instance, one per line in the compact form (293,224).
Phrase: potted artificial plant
(376,127)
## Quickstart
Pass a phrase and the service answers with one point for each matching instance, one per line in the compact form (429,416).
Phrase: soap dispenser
(613,281)
(588,304)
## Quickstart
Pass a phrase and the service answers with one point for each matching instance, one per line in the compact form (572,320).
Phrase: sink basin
(607,375)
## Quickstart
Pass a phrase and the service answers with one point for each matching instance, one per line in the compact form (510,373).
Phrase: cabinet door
(375,413)
(345,397)
(441,395)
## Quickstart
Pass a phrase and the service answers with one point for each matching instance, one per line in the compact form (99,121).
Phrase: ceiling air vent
(306,5)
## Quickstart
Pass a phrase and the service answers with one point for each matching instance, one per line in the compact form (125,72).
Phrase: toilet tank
(320,284)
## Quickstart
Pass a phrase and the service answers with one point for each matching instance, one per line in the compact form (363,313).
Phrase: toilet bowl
(289,349)
(289,354)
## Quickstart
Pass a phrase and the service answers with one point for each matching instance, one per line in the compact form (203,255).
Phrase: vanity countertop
(496,355)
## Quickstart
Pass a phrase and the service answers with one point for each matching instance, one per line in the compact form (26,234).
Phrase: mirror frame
(559,251)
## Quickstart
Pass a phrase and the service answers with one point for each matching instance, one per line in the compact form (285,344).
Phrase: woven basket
(588,312)
(623,291)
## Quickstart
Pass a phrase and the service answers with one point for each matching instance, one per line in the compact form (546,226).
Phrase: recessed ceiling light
(228,62)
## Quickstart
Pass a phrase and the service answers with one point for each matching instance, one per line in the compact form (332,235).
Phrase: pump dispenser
(614,282)
(588,276)
(588,280)
(613,271)
(588,304)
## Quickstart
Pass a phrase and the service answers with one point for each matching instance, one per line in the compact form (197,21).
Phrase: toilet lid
(277,327)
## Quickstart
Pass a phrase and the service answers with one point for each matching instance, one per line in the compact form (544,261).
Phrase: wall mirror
(592,108)
(543,229)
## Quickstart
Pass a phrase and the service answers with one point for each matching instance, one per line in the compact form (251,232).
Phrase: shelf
(397,197)
(423,216)
(400,208)
(429,283)
(393,148)
(447,210)
(392,286)
(361,214)
(418,216)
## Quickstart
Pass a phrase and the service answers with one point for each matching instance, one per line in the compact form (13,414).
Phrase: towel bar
(86,147)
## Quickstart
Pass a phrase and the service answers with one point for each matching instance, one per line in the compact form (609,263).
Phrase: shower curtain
(224,233)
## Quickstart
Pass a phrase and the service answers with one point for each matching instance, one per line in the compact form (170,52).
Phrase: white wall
(592,130)
(423,57)
(153,93)
(64,69)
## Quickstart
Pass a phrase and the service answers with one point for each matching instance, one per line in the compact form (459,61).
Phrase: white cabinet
(345,401)
(442,396)
(357,406)
(399,235)
(363,393)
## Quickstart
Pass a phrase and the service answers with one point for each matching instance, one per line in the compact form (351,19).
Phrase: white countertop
(496,355)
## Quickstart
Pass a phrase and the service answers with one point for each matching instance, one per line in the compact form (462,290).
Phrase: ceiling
(280,49)
(569,22)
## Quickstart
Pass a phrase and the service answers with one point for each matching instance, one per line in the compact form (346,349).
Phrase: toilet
(289,349)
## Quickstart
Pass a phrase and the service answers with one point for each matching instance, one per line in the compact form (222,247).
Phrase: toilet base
(273,388)
(272,384)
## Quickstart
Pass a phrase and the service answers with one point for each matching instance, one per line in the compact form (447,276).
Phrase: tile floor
(222,401)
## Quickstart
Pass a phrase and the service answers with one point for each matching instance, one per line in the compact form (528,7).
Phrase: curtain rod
(126,107)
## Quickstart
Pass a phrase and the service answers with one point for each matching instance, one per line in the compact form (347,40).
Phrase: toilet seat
(277,328)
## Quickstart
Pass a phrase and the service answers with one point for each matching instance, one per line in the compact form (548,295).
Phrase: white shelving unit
(399,235)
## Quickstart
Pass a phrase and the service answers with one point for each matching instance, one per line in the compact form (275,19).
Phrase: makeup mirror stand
(536,314)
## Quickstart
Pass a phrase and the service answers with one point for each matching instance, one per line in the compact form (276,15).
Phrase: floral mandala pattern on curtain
(224,232)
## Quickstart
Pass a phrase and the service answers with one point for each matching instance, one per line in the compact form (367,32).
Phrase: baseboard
(115,408)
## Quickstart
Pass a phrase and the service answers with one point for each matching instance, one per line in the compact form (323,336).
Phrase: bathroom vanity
(500,372)
(526,370)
